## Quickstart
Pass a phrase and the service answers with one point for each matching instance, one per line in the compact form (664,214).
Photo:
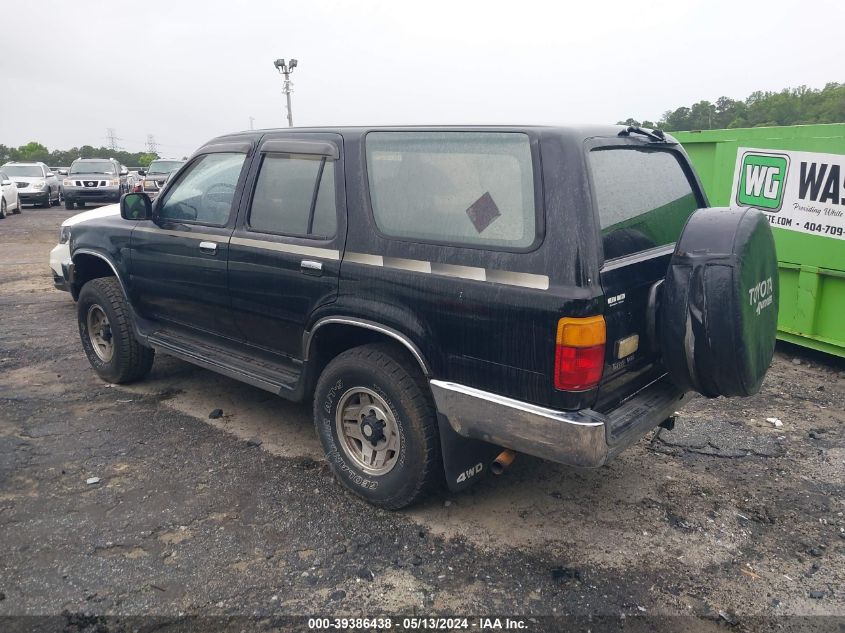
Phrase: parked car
(94,180)
(10,201)
(156,175)
(60,255)
(36,183)
(447,296)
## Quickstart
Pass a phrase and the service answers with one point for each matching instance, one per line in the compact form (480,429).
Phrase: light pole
(286,70)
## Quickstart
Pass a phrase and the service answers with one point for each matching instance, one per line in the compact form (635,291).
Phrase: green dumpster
(796,175)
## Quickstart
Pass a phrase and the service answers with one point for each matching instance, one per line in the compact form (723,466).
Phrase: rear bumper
(583,438)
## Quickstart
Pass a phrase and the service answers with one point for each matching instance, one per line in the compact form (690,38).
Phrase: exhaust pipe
(501,463)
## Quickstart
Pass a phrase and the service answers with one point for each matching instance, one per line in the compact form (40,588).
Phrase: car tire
(80,205)
(387,393)
(19,208)
(719,303)
(3,208)
(68,205)
(48,203)
(105,328)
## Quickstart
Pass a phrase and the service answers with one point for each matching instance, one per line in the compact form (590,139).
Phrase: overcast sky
(188,70)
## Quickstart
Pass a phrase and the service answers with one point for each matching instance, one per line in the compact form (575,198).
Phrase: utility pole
(286,70)
(152,146)
(251,121)
(111,135)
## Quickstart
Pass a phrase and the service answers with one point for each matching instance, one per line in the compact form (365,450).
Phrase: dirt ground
(730,521)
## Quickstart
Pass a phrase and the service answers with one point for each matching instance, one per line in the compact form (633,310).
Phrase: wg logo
(762,178)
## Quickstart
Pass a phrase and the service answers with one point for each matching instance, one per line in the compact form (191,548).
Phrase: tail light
(579,353)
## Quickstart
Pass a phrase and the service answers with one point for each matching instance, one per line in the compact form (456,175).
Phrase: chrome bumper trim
(576,438)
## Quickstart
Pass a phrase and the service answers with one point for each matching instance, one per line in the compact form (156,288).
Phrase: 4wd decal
(471,472)
(798,191)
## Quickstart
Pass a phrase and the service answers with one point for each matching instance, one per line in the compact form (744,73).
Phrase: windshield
(164,166)
(23,170)
(92,167)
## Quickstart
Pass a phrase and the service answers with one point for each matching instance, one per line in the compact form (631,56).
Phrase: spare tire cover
(719,304)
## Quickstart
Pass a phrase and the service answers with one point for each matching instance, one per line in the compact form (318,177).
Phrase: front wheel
(377,424)
(105,329)
(3,208)
(69,205)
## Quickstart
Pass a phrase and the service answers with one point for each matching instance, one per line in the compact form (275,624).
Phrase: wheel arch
(326,333)
(88,265)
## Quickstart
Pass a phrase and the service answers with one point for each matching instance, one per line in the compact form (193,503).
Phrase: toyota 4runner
(446,296)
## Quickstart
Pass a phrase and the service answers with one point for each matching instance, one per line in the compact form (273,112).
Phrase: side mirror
(142,172)
(136,206)
(6,183)
(50,174)
(63,172)
(124,172)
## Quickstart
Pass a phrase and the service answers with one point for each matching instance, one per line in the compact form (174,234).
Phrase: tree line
(790,106)
(35,151)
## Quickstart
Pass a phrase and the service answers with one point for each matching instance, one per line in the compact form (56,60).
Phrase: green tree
(790,106)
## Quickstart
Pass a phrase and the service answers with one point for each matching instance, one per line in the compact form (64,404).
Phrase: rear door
(643,193)
(284,256)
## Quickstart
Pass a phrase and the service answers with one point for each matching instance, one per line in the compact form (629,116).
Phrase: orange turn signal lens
(579,353)
(581,332)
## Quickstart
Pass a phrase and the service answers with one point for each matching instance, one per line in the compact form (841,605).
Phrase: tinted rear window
(466,188)
(643,197)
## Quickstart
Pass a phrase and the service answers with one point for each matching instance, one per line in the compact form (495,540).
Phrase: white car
(60,255)
(10,201)
(36,183)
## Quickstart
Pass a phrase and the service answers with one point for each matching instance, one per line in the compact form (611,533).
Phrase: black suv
(443,293)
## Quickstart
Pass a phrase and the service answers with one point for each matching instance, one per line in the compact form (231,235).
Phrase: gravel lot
(728,518)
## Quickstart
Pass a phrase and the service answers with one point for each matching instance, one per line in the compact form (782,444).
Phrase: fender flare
(308,337)
(88,251)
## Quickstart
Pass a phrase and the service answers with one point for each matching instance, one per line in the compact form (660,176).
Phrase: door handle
(208,247)
(310,267)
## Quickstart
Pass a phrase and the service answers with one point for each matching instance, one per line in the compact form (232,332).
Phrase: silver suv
(157,173)
(35,182)
(94,180)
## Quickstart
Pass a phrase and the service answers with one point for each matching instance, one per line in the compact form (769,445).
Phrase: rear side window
(643,197)
(295,195)
(464,188)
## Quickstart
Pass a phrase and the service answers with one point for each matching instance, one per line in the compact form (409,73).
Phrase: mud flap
(465,461)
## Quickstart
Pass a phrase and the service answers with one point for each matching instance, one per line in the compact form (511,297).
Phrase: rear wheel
(105,329)
(376,422)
